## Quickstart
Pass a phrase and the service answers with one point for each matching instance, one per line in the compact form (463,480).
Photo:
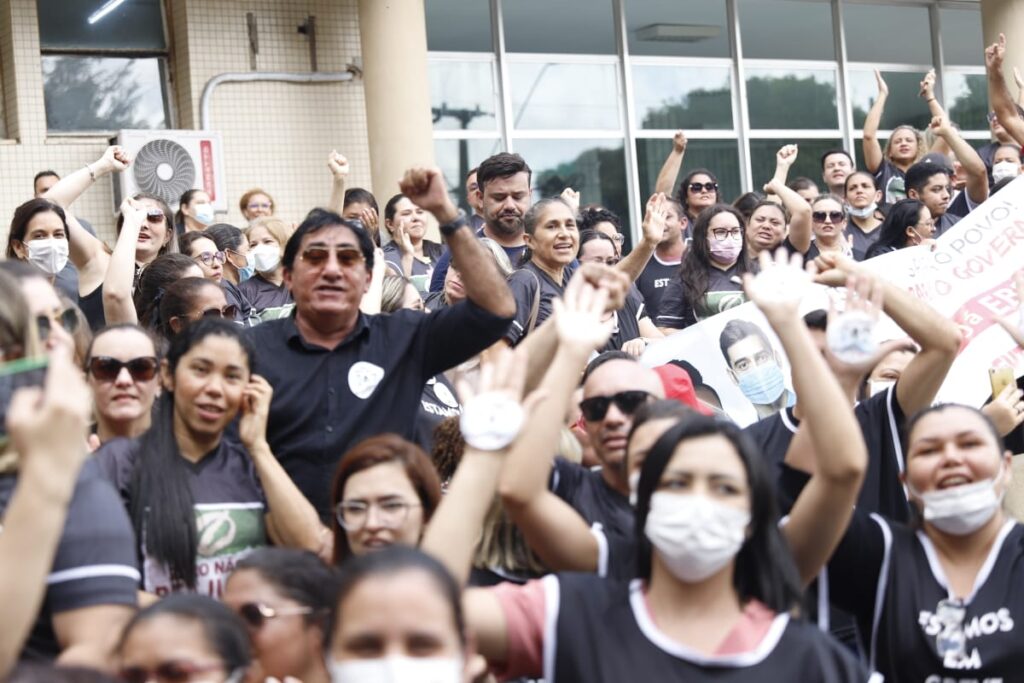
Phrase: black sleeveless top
(92,307)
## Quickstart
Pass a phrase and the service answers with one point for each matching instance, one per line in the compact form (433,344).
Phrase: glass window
(903,105)
(792,98)
(888,34)
(669,28)
(563,27)
(962,43)
(967,99)
(564,95)
(687,97)
(719,156)
(462,95)
(136,25)
(456,157)
(103,93)
(458,26)
(808,160)
(594,168)
(786,29)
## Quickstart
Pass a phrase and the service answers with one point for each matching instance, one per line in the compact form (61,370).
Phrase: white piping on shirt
(93,571)
(940,574)
(552,596)
(883,585)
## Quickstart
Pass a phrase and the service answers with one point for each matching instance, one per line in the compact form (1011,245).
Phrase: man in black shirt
(929,180)
(340,376)
(664,265)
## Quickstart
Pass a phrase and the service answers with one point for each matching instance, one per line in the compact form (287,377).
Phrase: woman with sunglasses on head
(238,267)
(907,224)
(265,289)
(195,211)
(185,639)
(184,478)
(121,369)
(285,598)
(709,276)
(189,300)
(89,254)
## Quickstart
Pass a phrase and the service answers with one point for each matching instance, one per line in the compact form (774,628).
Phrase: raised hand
(654,218)
(786,156)
(883,87)
(425,187)
(252,427)
(613,281)
(133,211)
(114,158)
(579,316)
(927,91)
(995,53)
(851,348)
(572,198)
(401,237)
(1006,410)
(941,127)
(679,141)
(338,164)
(780,286)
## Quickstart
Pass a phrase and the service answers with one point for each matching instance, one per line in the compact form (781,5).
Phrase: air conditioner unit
(166,163)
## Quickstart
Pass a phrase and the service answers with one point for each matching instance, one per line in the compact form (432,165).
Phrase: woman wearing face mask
(284,597)
(182,479)
(941,596)
(121,368)
(709,276)
(384,493)
(408,251)
(862,197)
(265,289)
(904,148)
(184,638)
(195,212)
(39,235)
(715,585)
(552,241)
(908,224)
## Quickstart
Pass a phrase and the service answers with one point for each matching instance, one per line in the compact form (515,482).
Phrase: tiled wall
(276,135)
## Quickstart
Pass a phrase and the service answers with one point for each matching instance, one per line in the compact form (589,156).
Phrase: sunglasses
(707,187)
(167,672)
(210,257)
(317,256)
(68,319)
(596,407)
(230,312)
(155,216)
(255,614)
(834,216)
(107,369)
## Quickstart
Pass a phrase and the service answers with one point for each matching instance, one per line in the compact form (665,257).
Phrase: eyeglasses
(107,369)
(68,319)
(617,238)
(155,216)
(208,258)
(317,256)
(722,234)
(167,672)
(707,187)
(255,614)
(229,312)
(264,205)
(596,407)
(833,216)
(352,515)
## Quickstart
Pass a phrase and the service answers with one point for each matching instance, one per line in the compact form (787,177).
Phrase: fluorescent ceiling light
(678,33)
(106,9)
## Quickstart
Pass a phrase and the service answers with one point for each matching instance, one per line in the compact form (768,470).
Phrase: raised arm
(557,533)
(872,148)
(480,277)
(999,94)
(798,208)
(339,175)
(670,169)
(118,305)
(371,301)
(70,187)
(974,167)
(653,231)
(927,93)
(292,520)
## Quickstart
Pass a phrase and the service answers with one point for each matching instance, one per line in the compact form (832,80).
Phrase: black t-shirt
(263,294)
(443,261)
(327,400)
(725,291)
(627,321)
(586,492)
(524,283)
(437,402)
(890,180)
(92,308)
(602,630)
(862,241)
(246,314)
(890,577)
(957,209)
(652,283)
(95,563)
(431,251)
(229,504)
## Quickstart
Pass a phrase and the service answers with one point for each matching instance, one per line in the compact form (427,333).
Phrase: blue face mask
(246,273)
(204,213)
(764,384)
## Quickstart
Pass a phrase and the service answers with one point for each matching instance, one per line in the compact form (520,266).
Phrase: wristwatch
(491,421)
(461,221)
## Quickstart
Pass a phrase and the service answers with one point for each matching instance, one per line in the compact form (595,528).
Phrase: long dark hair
(186,198)
(154,281)
(764,567)
(161,505)
(892,233)
(682,190)
(298,575)
(694,271)
(24,214)
(177,301)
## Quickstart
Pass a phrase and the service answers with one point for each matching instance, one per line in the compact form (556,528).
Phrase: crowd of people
(338,451)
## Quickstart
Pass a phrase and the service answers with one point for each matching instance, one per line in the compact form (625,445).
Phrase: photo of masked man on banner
(755,366)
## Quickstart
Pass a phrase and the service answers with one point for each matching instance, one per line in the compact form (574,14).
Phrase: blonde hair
(275,227)
(921,148)
(19,337)
(392,292)
(243,203)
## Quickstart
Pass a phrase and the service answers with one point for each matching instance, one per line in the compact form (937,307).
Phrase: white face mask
(865,212)
(961,510)
(397,669)
(203,213)
(1004,169)
(49,255)
(265,257)
(694,535)
(634,484)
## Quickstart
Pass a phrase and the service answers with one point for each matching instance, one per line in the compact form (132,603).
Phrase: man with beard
(503,189)
(664,265)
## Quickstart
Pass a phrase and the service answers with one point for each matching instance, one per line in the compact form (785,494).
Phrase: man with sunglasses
(340,376)
(614,386)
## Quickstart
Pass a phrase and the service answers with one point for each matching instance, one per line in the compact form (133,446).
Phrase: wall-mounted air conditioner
(166,163)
